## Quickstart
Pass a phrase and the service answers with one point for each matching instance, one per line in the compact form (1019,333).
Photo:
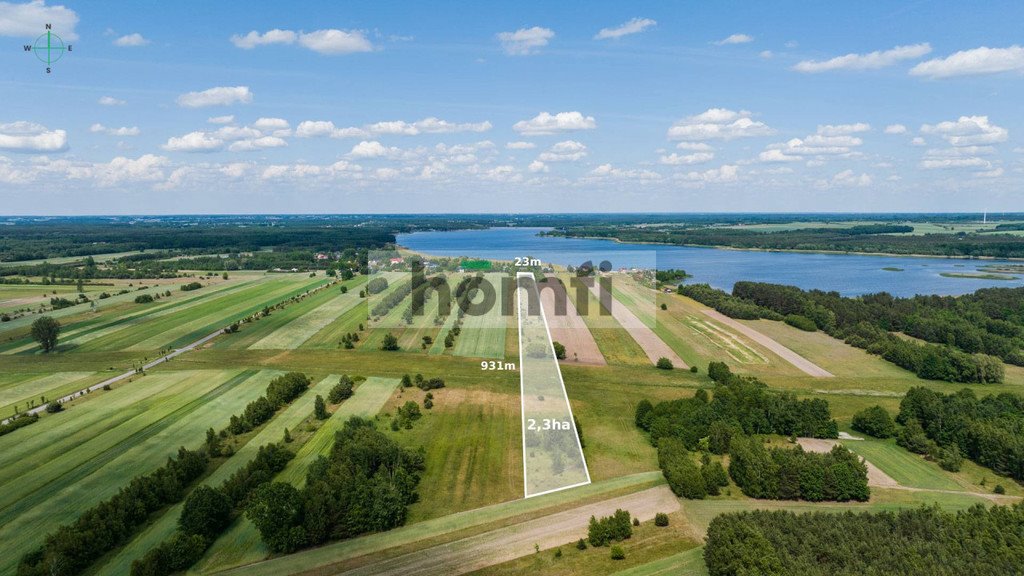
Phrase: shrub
(874,421)
(342,390)
(581,544)
(664,364)
(390,343)
(559,350)
(661,519)
(191,286)
(999,489)
(950,459)
(693,369)
(143,299)
(719,371)
(618,553)
(54,407)
(614,528)
(802,322)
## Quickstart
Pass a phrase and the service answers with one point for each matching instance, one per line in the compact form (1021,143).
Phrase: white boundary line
(561,381)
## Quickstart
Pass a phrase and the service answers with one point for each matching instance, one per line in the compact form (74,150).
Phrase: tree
(559,350)
(320,408)
(206,512)
(719,371)
(54,407)
(276,511)
(390,343)
(661,519)
(45,331)
(664,364)
(342,390)
(874,421)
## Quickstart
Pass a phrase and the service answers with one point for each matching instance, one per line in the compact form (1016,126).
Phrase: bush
(661,519)
(802,322)
(950,459)
(614,528)
(719,371)
(390,343)
(693,369)
(874,421)
(143,299)
(999,489)
(343,390)
(559,350)
(54,407)
(191,286)
(664,364)
(618,553)
(581,544)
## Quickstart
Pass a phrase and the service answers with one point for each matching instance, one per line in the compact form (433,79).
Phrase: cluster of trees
(614,528)
(281,390)
(207,512)
(422,383)
(391,299)
(74,547)
(682,474)
(671,276)
(341,391)
(989,430)
(191,286)
(349,340)
(365,485)
(793,474)
(924,541)
(740,405)
(726,303)
(18,421)
(406,415)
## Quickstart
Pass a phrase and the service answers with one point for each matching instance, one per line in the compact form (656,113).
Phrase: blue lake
(848,274)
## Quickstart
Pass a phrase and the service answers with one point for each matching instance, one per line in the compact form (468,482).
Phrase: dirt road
(518,540)
(569,329)
(801,363)
(651,343)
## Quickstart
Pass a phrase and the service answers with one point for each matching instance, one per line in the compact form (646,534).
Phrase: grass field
(241,543)
(17,390)
(484,336)
(615,344)
(88,454)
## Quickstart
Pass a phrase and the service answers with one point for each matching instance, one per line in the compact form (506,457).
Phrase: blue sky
(200,107)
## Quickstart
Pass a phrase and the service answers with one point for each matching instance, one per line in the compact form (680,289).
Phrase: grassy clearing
(447,528)
(473,445)
(241,544)
(689,563)
(82,469)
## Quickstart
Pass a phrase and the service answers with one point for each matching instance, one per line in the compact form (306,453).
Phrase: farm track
(798,361)
(569,329)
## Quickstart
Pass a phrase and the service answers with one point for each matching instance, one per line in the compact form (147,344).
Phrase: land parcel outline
(552,455)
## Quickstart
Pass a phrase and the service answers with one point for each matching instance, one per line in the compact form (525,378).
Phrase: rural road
(128,374)
(518,540)
(801,363)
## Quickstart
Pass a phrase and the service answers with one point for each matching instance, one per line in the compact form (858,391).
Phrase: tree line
(978,541)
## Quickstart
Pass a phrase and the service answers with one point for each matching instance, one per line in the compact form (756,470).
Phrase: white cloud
(221,119)
(257,144)
(776,155)
(895,129)
(874,60)
(525,41)
(981,60)
(918,141)
(254,38)
(110,101)
(849,178)
(28,20)
(131,40)
(545,123)
(538,166)
(236,133)
(219,96)
(766,54)
(724,173)
(30,137)
(372,149)
(735,39)
(122,131)
(633,26)
(841,129)
(520,145)
(609,171)
(147,168)
(271,124)
(718,123)
(314,128)
(334,41)
(674,159)
(194,142)
(968,131)
(695,146)
(966,162)
(437,126)
(994,173)
(565,151)
(431,125)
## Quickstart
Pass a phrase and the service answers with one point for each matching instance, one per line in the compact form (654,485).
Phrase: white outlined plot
(552,455)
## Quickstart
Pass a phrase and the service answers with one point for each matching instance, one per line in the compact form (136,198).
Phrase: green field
(88,453)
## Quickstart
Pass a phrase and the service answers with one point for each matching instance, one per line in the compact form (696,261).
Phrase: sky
(438,107)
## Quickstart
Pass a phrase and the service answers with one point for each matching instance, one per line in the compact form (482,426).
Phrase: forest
(988,430)
(978,541)
(884,238)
